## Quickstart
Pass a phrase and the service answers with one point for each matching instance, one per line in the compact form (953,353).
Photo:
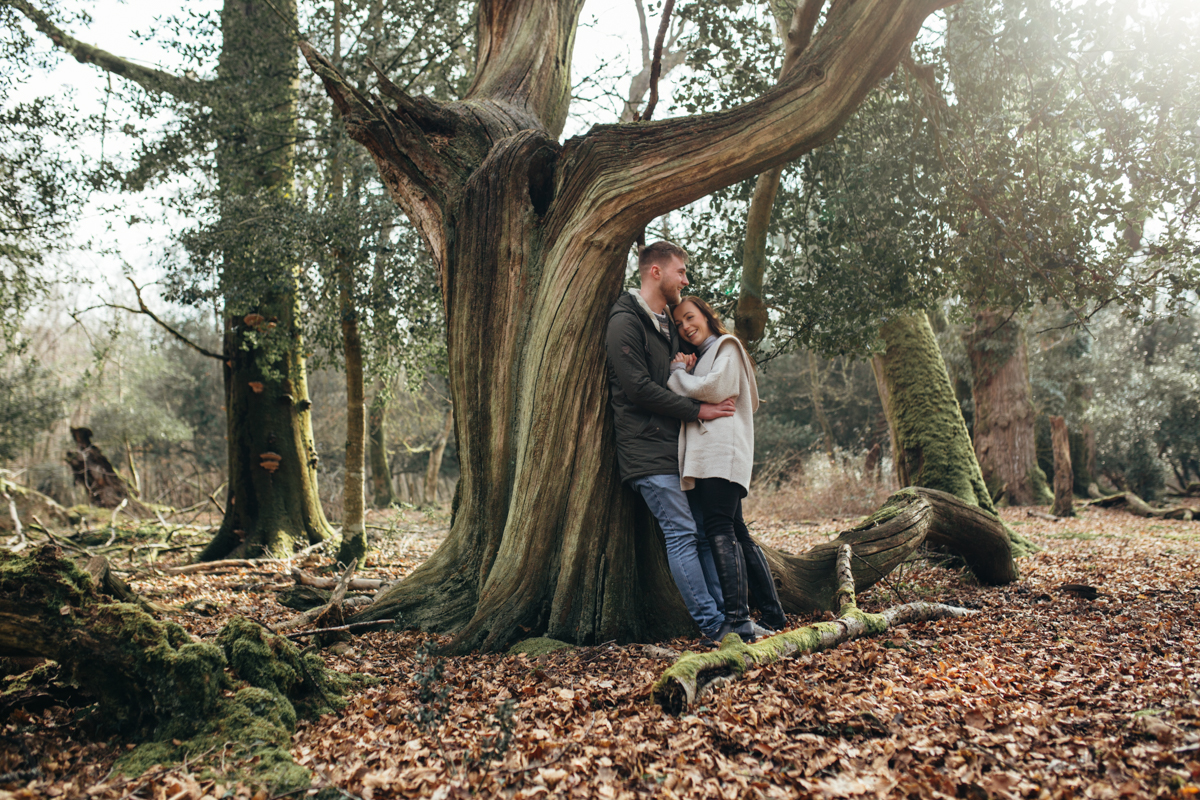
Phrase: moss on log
(157,686)
(682,684)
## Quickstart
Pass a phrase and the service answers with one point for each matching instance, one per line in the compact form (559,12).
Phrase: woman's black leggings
(720,502)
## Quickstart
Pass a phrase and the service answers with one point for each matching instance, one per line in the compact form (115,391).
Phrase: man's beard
(673,296)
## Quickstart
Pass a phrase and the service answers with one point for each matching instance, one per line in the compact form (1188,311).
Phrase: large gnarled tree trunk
(1005,442)
(530,238)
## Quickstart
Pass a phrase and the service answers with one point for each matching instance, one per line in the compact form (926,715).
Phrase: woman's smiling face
(693,327)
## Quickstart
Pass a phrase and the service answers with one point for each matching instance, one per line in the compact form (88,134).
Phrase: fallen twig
(336,628)
(112,525)
(211,566)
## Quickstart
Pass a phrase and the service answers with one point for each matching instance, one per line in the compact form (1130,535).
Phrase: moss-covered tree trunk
(1005,440)
(930,443)
(530,237)
(272,498)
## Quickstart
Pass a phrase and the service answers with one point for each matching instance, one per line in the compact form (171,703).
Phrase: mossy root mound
(154,684)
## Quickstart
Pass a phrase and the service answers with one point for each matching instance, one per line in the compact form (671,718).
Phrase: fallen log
(332,619)
(108,582)
(330,616)
(213,566)
(349,627)
(685,681)
(1140,508)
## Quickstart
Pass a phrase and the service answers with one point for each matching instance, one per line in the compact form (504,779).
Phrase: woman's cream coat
(719,448)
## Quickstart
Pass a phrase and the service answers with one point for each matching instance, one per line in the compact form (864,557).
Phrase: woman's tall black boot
(731,569)
(762,592)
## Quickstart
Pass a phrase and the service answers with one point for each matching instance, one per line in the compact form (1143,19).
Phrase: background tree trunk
(435,458)
(814,374)
(269,508)
(929,438)
(354,532)
(272,497)
(383,495)
(1005,440)
(1064,476)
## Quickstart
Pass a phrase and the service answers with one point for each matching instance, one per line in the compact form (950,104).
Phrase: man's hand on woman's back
(725,408)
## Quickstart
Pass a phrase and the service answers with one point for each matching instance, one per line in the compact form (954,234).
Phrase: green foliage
(31,401)
(40,182)
(1039,150)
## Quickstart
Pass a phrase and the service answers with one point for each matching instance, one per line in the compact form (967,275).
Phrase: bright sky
(607,48)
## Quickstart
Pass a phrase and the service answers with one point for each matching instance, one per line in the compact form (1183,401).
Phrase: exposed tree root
(153,683)
(685,681)
(908,519)
(1140,508)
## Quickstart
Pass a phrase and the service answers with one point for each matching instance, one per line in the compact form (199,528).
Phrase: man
(641,342)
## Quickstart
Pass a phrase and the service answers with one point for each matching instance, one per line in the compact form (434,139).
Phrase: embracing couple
(685,441)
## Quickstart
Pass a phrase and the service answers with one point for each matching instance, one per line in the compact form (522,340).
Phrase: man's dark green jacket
(646,414)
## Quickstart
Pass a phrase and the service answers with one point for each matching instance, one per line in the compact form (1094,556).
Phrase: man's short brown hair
(659,253)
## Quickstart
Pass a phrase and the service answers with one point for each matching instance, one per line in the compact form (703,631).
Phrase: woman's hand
(688,361)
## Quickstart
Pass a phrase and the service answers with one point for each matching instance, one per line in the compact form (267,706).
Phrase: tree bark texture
(685,681)
(1005,440)
(530,239)
(930,443)
(1064,476)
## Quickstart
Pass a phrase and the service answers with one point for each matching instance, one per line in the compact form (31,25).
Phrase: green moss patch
(539,646)
(238,697)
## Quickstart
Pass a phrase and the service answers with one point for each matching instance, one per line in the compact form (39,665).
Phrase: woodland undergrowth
(1046,693)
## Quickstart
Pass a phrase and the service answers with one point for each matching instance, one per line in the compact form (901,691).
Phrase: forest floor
(1043,694)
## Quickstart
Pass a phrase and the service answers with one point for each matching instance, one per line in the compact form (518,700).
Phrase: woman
(715,462)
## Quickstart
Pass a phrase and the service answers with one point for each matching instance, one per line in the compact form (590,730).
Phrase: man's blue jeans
(688,555)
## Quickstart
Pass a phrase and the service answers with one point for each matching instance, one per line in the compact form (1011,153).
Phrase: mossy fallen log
(153,684)
(685,681)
